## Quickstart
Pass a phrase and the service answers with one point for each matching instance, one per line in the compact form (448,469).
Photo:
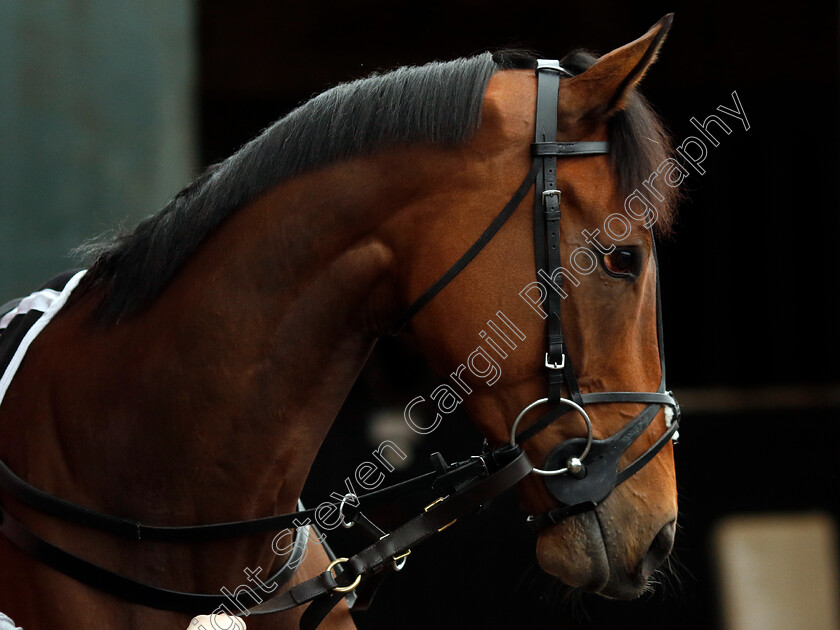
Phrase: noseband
(580,472)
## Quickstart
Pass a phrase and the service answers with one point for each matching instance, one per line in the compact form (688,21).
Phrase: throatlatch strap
(472,252)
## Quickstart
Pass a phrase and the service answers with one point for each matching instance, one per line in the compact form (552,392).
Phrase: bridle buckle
(400,559)
(547,193)
(555,366)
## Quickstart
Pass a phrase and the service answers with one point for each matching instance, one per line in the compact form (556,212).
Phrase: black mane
(438,102)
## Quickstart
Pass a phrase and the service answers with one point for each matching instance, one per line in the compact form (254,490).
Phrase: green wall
(96,123)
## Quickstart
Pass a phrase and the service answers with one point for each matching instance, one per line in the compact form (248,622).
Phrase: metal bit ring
(573,405)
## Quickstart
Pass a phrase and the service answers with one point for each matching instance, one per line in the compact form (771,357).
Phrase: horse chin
(573,551)
(581,554)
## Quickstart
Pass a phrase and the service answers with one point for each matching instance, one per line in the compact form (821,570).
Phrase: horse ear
(604,87)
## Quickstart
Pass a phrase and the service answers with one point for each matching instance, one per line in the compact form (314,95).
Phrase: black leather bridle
(580,472)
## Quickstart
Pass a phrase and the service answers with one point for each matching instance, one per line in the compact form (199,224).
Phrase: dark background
(749,278)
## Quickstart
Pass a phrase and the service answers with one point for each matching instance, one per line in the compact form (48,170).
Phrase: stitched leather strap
(132,590)
(569,149)
(472,252)
(379,556)
(510,465)
(134,530)
(662,398)
(648,455)
(547,258)
(552,517)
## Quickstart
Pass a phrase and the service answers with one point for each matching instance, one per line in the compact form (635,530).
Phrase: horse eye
(622,261)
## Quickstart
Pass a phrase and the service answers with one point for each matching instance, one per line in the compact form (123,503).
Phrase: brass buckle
(398,566)
(343,589)
(434,503)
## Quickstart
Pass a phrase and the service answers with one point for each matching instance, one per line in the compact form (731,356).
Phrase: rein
(462,488)
(579,473)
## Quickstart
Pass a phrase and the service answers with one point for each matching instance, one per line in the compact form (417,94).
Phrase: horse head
(487,327)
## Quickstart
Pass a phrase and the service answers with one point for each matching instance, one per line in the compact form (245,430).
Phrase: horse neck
(212,402)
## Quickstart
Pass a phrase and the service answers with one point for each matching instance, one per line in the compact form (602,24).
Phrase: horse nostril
(659,549)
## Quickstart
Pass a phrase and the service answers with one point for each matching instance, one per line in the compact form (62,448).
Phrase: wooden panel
(778,572)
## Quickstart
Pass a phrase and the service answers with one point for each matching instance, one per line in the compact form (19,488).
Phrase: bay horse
(195,369)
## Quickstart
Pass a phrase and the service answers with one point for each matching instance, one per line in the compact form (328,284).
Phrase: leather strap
(661,398)
(570,491)
(569,149)
(649,454)
(510,465)
(544,149)
(472,252)
(134,530)
(379,556)
(552,517)
(46,503)
(547,214)
(131,590)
